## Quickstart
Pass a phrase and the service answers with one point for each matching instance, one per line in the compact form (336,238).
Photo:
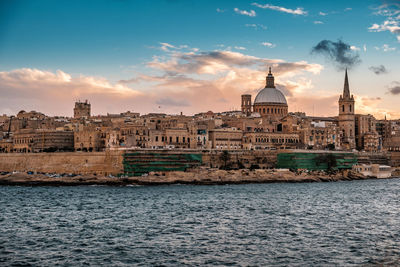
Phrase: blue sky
(119,40)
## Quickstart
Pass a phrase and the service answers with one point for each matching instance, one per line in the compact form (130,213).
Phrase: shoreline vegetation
(193,176)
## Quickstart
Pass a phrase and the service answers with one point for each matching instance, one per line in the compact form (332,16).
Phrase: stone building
(269,141)
(320,135)
(178,138)
(6,145)
(82,110)
(270,102)
(366,136)
(43,141)
(90,139)
(246,105)
(346,117)
(226,138)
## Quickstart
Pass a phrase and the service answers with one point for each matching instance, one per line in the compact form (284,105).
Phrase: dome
(270,95)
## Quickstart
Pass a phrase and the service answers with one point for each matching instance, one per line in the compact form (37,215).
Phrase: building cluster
(265,124)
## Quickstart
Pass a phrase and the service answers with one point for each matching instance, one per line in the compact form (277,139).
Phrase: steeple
(346,89)
(270,80)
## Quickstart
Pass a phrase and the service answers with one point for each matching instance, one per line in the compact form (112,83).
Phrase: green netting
(316,161)
(139,163)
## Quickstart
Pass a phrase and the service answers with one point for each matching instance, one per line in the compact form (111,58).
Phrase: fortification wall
(101,163)
(111,162)
(263,159)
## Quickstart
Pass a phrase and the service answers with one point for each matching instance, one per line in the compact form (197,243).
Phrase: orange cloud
(190,82)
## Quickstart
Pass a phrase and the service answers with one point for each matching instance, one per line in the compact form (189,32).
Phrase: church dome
(270,95)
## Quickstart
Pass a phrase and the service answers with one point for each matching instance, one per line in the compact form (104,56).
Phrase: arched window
(268,110)
(264,110)
(343,108)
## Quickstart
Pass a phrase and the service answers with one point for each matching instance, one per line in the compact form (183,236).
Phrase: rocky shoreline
(196,176)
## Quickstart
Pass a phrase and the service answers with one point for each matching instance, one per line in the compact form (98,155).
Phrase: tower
(246,104)
(346,116)
(270,80)
(82,110)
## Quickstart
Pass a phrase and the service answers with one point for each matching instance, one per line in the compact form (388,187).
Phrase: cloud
(322,13)
(180,80)
(387,48)
(355,48)
(240,48)
(395,88)
(256,26)
(204,77)
(167,101)
(348,9)
(55,92)
(338,52)
(391,11)
(267,44)
(318,22)
(378,69)
(250,13)
(365,48)
(297,11)
(219,10)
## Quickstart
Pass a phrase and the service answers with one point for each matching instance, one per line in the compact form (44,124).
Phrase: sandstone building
(82,110)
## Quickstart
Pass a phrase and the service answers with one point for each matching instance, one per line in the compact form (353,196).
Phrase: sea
(349,223)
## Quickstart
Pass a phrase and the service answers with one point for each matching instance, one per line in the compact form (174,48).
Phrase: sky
(193,56)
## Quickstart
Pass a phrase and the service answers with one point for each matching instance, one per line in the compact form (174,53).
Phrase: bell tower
(246,104)
(346,116)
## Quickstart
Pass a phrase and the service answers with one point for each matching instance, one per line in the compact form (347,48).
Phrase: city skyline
(191,57)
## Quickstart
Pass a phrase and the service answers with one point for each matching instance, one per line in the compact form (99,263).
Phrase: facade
(89,140)
(270,141)
(226,139)
(346,117)
(43,141)
(246,104)
(82,110)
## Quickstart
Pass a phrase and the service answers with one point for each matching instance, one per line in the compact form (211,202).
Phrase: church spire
(346,89)
(270,80)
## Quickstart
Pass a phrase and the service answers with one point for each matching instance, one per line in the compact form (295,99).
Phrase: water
(342,223)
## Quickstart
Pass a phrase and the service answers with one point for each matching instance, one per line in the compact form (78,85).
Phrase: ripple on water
(345,223)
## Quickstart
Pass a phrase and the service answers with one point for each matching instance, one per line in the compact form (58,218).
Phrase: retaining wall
(102,163)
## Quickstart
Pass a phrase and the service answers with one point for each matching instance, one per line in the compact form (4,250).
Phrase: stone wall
(101,163)
(263,159)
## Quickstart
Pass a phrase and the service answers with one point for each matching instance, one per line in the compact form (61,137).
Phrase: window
(343,108)
(156,138)
(170,139)
(177,139)
(350,108)
(264,110)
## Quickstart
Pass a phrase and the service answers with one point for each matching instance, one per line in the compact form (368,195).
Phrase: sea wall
(262,159)
(101,163)
(112,162)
